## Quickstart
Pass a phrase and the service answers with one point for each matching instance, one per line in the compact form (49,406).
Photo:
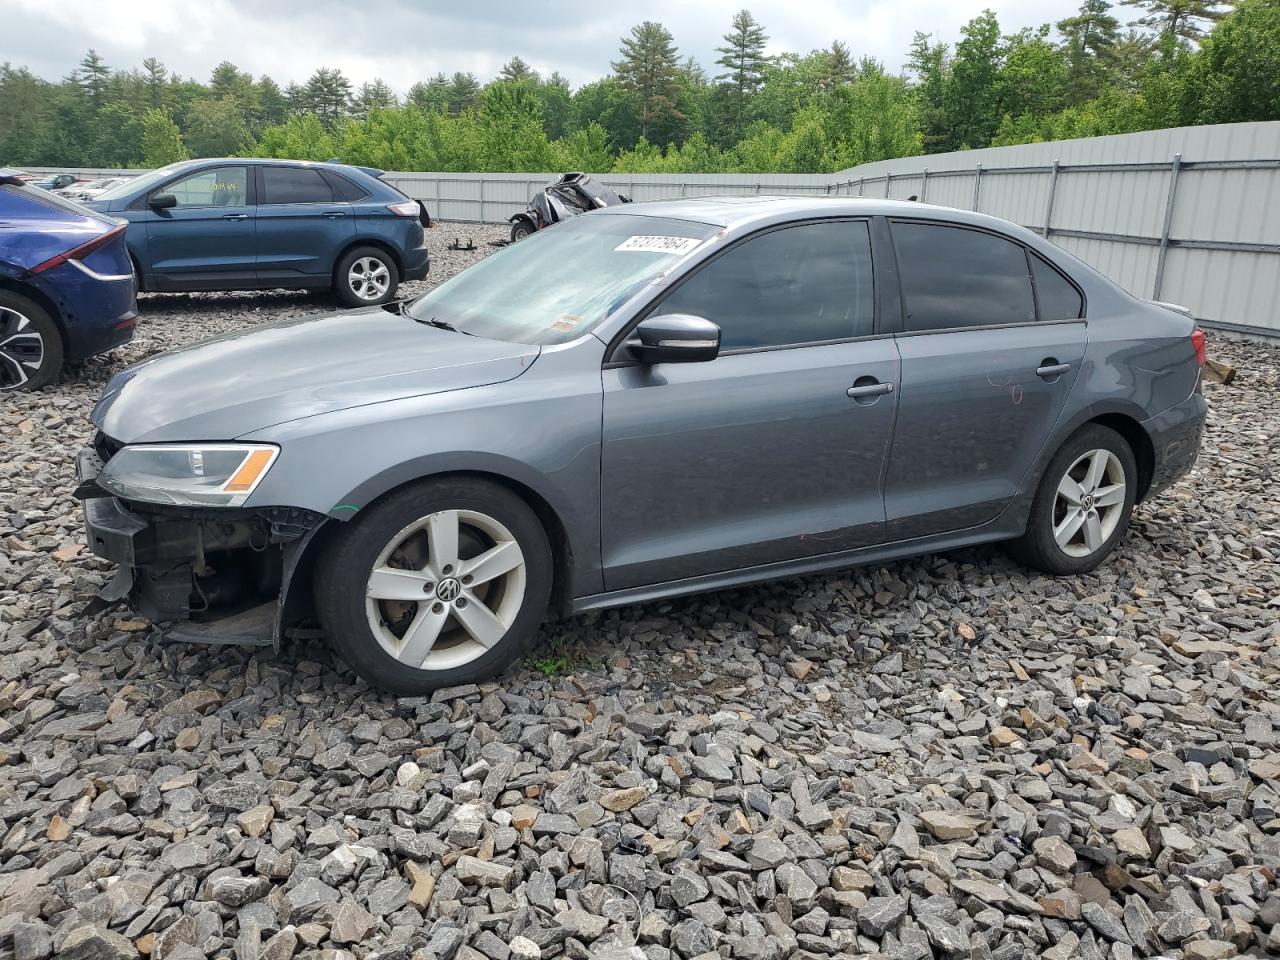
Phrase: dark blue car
(66,285)
(251,224)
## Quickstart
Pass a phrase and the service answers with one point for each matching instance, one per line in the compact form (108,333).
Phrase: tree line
(1145,64)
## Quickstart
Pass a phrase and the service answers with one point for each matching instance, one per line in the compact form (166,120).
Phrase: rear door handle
(235,216)
(869,390)
(334,214)
(1049,369)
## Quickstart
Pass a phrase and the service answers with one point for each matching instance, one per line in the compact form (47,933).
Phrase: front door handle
(235,216)
(1050,368)
(334,214)
(868,387)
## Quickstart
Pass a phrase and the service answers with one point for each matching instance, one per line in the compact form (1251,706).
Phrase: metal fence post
(482,219)
(977,186)
(1174,168)
(924,183)
(1048,206)
(888,181)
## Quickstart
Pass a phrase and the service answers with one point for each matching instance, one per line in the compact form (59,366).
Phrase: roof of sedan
(731,211)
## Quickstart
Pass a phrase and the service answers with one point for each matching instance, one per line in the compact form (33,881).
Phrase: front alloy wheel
(442,582)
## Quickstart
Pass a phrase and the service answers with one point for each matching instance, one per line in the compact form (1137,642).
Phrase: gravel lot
(940,757)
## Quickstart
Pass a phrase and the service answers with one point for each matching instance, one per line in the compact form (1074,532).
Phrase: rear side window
(954,277)
(797,285)
(1057,298)
(294,185)
(343,189)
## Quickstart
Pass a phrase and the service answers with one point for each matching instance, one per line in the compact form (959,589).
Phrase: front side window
(294,185)
(219,187)
(955,277)
(804,284)
(561,282)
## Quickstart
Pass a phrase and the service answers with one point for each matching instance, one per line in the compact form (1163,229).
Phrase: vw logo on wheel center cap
(448,590)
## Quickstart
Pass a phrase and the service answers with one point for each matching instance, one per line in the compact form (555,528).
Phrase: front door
(985,374)
(206,242)
(761,455)
(301,226)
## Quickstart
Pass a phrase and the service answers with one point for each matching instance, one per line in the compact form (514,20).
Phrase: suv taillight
(1197,341)
(82,251)
(409,208)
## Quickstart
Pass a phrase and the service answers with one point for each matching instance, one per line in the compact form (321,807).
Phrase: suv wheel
(1083,504)
(443,582)
(365,277)
(30,344)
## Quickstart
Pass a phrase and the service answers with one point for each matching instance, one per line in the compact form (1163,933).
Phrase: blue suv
(66,286)
(251,224)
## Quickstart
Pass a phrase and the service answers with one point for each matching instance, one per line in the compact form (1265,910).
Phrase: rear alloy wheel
(366,277)
(30,345)
(442,583)
(1083,504)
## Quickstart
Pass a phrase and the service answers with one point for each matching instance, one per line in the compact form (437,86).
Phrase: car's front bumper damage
(215,575)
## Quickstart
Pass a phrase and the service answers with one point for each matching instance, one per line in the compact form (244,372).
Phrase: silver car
(649,400)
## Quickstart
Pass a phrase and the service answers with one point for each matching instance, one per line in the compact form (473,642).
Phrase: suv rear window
(295,185)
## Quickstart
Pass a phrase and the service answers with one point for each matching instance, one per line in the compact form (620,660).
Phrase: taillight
(408,208)
(1197,341)
(82,251)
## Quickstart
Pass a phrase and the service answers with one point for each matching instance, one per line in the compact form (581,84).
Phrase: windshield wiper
(441,325)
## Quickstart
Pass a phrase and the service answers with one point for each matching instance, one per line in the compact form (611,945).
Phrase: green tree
(156,77)
(971,92)
(509,128)
(931,64)
(1186,19)
(161,139)
(585,149)
(1235,76)
(273,105)
(93,75)
(327,94)
(649,67)
(1033,73)
(516,70)
(557,104)
(838,67)
(301,137)
(372,96)
(217,128)
(744,62)
(464,91)
(611,105)
(432,96)
(1089,40)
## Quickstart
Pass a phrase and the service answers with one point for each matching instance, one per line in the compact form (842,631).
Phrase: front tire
(520,229)
(365,277)
(1083,504)
(30,344)
(443,582)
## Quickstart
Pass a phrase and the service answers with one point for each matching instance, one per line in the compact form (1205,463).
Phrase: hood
(223,388)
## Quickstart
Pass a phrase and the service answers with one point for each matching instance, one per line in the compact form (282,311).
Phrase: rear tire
(365,277)
(404,599)
(31,350)
(520,229)
(1083,504)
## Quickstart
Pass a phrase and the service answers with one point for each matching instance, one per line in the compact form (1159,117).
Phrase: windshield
(560,282)
(131,185)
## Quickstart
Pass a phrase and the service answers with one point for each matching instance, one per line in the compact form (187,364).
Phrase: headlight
(203,474)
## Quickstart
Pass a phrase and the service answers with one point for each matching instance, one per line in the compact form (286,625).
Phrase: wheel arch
(1139,442)
(42,300)
(375,242)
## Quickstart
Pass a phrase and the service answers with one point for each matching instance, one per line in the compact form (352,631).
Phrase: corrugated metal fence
(1190,215)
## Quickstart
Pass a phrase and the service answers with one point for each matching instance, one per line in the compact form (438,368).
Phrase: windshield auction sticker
(659,244)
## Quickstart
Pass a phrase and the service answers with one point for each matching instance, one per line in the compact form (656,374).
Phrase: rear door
(302,226)
(206,242)
(762,454)
(986,370)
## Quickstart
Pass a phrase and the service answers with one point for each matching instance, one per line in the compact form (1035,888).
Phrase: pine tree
(430,97)
(93,76)
(516,70)
(744,61)
(327,95)
(1089,41)
(156,78)
(930,62)
(839,68)
(650,69)
(464,91)
(273,105)
(373,96)
(1185,19)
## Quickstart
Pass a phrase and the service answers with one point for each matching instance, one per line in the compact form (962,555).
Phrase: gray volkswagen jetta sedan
(646,401)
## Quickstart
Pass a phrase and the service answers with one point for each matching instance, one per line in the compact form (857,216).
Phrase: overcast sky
(403,41)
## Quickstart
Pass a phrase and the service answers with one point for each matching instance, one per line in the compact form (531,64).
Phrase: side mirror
(162,201)
(675,338)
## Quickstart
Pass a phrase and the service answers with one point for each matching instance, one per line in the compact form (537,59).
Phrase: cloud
(403,41)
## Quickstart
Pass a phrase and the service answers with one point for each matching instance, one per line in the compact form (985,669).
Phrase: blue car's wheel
(30,345)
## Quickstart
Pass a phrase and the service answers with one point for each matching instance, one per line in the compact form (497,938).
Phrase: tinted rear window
(955,277)
(294,185)
(343,189)
(1058,299)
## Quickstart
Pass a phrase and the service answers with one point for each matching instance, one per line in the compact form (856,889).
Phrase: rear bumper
(1175,440)
(417,263)
(96,313)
